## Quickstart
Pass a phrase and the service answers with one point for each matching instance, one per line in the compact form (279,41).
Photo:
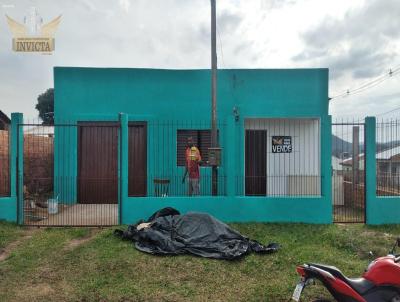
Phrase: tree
(45,106)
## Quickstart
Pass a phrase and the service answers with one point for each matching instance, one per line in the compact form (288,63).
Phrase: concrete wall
(90,93)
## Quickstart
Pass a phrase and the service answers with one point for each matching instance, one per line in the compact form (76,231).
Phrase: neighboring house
(388,168)
(336,163)
(337,181)
(4,121)
(47,131)
(273,130)
(347,164)
(388,161)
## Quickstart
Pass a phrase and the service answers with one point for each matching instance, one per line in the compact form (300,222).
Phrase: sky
(358,40)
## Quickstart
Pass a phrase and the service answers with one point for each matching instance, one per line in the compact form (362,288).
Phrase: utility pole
(214,136)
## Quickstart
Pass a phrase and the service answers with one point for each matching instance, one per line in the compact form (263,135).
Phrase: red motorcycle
(379,283)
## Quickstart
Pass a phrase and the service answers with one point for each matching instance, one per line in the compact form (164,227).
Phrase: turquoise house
(120,137)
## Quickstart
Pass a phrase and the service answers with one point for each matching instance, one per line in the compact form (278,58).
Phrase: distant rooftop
(382,155)
(4,118)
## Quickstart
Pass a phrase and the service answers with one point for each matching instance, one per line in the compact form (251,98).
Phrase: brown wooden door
(256,162)
(137,159)
(98,163)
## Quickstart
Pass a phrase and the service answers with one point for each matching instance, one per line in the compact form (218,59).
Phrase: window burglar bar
(158,157)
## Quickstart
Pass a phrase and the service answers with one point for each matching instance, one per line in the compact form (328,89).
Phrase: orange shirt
(193,157)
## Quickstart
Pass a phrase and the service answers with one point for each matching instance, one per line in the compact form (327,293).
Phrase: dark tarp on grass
(170,233)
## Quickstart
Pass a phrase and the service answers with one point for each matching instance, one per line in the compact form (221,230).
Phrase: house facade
(117,151)
(273,129)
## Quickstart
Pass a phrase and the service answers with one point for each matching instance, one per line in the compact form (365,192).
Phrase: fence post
(12,215)
(17,165)
(326,166)
(15,119)
(370,167)
(123,164)
(230,157)
(326,157)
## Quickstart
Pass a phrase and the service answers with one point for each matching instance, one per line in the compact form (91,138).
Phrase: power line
(387,112)
(378,79)
(368,85)
(372,85)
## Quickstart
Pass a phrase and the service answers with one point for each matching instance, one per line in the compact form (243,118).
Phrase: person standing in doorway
(192,167)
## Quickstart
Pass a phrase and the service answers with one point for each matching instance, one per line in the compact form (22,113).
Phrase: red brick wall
(4,164)
(38,163)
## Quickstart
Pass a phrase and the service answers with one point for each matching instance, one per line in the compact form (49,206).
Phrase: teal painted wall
(8,209)
(185,94)
(165,96)
(380,210)
(235,209)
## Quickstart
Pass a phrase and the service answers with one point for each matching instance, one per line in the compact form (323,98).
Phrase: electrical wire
(379,78)
(387,112)
(371,86)
(368,85)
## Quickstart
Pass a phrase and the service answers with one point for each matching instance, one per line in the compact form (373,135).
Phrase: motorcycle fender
(341,288)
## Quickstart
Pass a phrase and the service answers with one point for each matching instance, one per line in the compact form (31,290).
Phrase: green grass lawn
(54,265)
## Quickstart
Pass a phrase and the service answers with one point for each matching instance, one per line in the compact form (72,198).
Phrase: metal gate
(348,172)
(68,174)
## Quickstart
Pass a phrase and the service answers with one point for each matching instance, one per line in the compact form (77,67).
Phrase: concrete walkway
(76,215)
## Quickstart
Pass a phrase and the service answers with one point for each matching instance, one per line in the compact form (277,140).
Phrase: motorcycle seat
(360,285)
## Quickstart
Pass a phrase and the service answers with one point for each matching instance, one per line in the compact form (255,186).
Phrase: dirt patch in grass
(74,243)
(37,290)
(7,250)
(371,234)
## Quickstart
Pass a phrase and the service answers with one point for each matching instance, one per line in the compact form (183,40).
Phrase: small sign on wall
(282,144)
